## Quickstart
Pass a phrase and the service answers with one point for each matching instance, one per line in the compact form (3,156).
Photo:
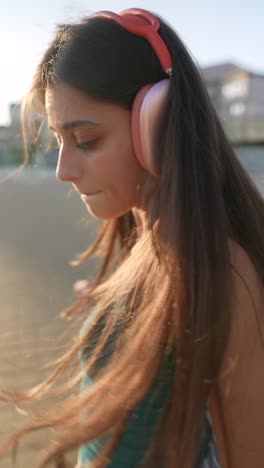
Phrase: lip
(87,196)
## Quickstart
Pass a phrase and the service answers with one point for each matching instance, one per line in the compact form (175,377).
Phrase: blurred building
(4,144)
(14,114)
(11,142)
(238,96)
(15,127)
(41,144)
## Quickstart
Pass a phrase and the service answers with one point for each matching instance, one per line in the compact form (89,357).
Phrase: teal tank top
(142,423)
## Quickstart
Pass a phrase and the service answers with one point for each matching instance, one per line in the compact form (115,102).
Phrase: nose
(68,167)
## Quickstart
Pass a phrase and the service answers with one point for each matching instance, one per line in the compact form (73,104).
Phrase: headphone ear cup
(147,111)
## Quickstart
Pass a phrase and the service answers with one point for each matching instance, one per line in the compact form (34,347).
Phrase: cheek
(125,175)
(119,194)
(118,174)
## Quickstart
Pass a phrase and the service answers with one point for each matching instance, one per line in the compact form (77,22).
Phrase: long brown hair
(169,291)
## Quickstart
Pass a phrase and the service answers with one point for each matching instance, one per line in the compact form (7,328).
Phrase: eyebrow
(76,124)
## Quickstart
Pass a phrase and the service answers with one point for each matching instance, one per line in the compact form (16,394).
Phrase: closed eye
(86,144)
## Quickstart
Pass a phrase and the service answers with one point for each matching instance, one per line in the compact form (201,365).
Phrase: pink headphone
(150,100)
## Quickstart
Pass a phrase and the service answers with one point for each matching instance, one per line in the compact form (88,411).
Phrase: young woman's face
(96,152)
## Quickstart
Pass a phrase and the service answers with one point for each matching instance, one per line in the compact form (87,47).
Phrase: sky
(214,32)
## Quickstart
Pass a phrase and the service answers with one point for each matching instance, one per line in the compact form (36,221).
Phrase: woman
(171,348)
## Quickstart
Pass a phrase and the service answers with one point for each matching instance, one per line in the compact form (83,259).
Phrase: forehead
(64,103)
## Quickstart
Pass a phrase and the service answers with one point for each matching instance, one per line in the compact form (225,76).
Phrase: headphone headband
(144,24)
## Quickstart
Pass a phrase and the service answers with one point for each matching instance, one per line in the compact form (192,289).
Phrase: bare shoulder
(239,257)
(245,277)
(247,309)
(241,380)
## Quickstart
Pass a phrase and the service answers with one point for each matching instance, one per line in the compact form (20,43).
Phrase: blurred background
(43,223)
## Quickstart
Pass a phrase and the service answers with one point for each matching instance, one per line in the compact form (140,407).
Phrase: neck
(141,215)
(141,219)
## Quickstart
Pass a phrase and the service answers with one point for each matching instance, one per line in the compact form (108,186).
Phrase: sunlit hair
(169,291)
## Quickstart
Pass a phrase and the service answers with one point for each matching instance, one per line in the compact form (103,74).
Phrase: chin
(107,215)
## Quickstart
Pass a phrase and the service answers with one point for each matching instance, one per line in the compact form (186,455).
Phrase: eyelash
(86,145)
